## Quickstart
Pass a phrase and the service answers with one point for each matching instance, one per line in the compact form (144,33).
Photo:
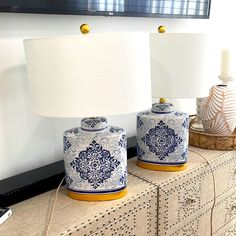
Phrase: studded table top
(80,218)
(157,203)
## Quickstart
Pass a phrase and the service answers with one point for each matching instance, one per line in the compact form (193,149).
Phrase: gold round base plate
(97,197)
(157,167)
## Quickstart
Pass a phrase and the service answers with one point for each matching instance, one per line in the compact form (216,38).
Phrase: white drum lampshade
(178,70)
(179,65)
(91,75)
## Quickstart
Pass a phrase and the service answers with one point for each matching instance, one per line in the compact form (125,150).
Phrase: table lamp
(91,76)
(178,67)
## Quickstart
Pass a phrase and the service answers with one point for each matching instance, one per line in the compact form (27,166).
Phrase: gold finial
(162,100)
(84,28)
(161,29)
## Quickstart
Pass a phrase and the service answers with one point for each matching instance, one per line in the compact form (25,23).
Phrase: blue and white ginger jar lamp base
(95,158)
(162,138)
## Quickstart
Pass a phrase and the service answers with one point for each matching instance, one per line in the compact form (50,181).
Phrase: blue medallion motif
(162,140)
(123,141)
(67,144)
(139,122)
(95,164)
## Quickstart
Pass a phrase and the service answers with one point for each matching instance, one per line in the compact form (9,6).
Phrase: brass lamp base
(97,197)
(157,167)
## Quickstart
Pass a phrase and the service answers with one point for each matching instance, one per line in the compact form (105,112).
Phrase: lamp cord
(214,188)
(52,209)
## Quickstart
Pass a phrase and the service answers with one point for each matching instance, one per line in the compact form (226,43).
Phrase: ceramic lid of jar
(94,123)
(162,108)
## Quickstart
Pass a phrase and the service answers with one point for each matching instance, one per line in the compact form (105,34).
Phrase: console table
(157,203)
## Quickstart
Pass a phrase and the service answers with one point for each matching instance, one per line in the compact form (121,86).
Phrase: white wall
(27,141)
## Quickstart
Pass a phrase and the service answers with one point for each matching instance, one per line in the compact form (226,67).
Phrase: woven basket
(211,141)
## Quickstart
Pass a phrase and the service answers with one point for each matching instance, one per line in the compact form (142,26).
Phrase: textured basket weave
(211,141)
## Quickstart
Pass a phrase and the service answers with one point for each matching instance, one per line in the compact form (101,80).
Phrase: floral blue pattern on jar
(95,157)
(163,136)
